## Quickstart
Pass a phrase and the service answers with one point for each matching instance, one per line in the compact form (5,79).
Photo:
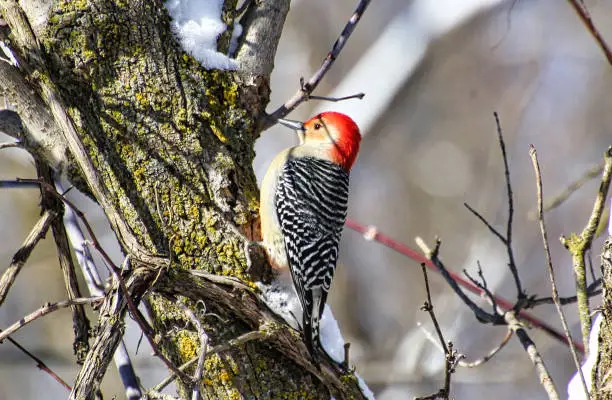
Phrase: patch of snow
(198,24)
(575,391)
(282,299)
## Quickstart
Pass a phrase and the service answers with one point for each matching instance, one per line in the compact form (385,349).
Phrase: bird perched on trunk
(304,198)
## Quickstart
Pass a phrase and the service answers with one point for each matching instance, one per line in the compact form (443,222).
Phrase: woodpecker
(304,198)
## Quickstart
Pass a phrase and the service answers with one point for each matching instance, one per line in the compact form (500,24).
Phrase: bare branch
(44,310)
(490,355)
(428,306)
(39,363)
(21,256)
(487,224)
(263,24)
(121,357)
(253,312)
(585,17)
(577,245)
(450,355)
(534,355)
(551,272)
(380,237)
(480,314)
(304,92)
(592,290)
(511,262)
(337,99)
(79,318)
(34,125)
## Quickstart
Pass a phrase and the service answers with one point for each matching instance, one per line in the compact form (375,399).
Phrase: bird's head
(333,135)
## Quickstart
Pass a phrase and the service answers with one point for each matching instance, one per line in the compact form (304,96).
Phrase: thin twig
(450,355)
(534,355)
(483,286)
(44,310)
(551,272)
(592,290)
(577,245)
(490,355)
(40,364)
(337,99)
(511,263)
(486,223)
(307,88)
(21,256)
(480,314)
(428,307)
(584,15)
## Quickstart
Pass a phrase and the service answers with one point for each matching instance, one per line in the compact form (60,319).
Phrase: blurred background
(433,73)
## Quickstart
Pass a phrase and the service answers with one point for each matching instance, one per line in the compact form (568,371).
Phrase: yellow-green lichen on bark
(173,145)
(154,121)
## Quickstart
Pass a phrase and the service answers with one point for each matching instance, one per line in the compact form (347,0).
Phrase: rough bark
(602,379)
(166,148)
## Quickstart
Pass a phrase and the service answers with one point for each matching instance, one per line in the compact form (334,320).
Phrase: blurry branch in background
(585,17)
(451,357)
(551,272)
(306,88)
(577,245)
(124,365)
(503,312)
(561,197)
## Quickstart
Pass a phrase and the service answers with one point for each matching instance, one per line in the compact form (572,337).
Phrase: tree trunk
(106,95)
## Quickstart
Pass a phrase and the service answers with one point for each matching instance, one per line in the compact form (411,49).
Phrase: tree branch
(307,88)
(21,256)
(551,272)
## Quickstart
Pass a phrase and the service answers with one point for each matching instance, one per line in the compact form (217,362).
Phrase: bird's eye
(317,126)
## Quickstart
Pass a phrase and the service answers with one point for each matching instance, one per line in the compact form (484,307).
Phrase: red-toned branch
(506,305)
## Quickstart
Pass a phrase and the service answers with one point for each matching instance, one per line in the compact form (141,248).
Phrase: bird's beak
(297,126)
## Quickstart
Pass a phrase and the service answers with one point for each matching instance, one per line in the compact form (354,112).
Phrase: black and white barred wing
(311,204)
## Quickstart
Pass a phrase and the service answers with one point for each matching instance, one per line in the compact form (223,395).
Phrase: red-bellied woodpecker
(304,198)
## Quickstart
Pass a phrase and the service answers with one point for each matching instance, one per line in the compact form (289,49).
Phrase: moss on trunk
(173,143)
